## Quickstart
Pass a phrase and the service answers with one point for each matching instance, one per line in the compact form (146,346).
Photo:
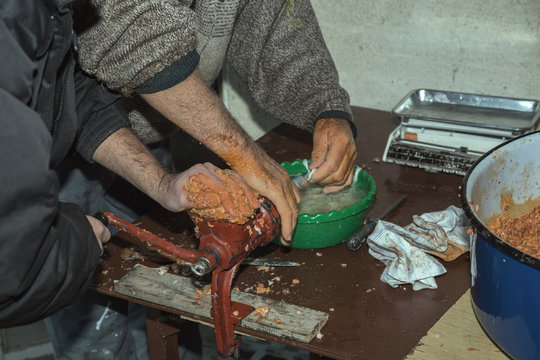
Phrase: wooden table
(368,318)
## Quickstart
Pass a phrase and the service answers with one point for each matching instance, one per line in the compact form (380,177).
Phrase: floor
(31,342)
(25,342)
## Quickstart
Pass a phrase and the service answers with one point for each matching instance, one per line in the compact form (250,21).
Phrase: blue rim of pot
(479,226)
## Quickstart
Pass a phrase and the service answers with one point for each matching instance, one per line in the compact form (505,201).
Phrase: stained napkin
(408,252)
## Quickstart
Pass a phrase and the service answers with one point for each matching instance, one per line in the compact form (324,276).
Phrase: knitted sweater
(275,46)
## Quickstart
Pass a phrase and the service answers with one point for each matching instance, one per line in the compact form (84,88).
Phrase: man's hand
(123,153)
(172,191)
(269,179)
(103,235)
(174,195)
(333,155)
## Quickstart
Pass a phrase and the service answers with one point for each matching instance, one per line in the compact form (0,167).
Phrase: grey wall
(383,49)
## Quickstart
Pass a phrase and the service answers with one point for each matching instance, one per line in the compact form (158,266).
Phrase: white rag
(403,250)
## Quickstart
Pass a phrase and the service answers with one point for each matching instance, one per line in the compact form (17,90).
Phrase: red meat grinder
(223,245)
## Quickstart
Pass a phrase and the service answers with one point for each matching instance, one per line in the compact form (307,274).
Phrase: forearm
(125,155)
(193,107)
(196,109)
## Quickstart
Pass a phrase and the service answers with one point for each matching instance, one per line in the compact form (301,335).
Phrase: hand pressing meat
(221,194)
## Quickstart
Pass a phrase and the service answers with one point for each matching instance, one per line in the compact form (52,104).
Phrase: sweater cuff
(172,75)
(339,115)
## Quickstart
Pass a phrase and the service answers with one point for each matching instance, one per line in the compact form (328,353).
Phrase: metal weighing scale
(448,131)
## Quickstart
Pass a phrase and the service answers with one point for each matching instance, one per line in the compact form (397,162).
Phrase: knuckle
(199,167)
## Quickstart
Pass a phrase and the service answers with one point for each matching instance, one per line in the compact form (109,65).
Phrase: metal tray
(516,115)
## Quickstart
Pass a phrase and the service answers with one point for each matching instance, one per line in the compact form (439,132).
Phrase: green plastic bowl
(328,229)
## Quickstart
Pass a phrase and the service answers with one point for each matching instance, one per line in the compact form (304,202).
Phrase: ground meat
(207,203)
(523,232)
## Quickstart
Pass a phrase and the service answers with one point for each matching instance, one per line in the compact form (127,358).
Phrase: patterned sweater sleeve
(277,48)
(133,45)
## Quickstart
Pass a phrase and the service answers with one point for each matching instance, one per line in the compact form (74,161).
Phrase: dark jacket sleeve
(277,48)
(98,112)
(49,251)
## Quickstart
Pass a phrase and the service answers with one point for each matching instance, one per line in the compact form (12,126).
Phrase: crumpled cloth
(406,251)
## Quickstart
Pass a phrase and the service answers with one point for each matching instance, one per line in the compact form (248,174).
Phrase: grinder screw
(201,267)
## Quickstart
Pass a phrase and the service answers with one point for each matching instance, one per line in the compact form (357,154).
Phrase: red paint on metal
(181,253)
(232,243)
(225,245)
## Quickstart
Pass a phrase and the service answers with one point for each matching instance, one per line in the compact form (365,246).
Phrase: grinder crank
(223,245)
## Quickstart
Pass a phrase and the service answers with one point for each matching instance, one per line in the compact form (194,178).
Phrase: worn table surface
(368,319)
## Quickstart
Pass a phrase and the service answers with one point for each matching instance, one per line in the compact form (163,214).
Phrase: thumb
(105,235)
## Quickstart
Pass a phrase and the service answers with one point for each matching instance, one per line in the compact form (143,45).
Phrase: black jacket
(48,108)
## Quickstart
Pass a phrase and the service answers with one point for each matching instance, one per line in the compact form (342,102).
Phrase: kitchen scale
(448,131)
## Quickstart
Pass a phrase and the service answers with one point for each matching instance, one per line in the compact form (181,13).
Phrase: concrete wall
(385,48)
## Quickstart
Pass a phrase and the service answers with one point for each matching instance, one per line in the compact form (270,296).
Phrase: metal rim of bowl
(342,213)
(490,237)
